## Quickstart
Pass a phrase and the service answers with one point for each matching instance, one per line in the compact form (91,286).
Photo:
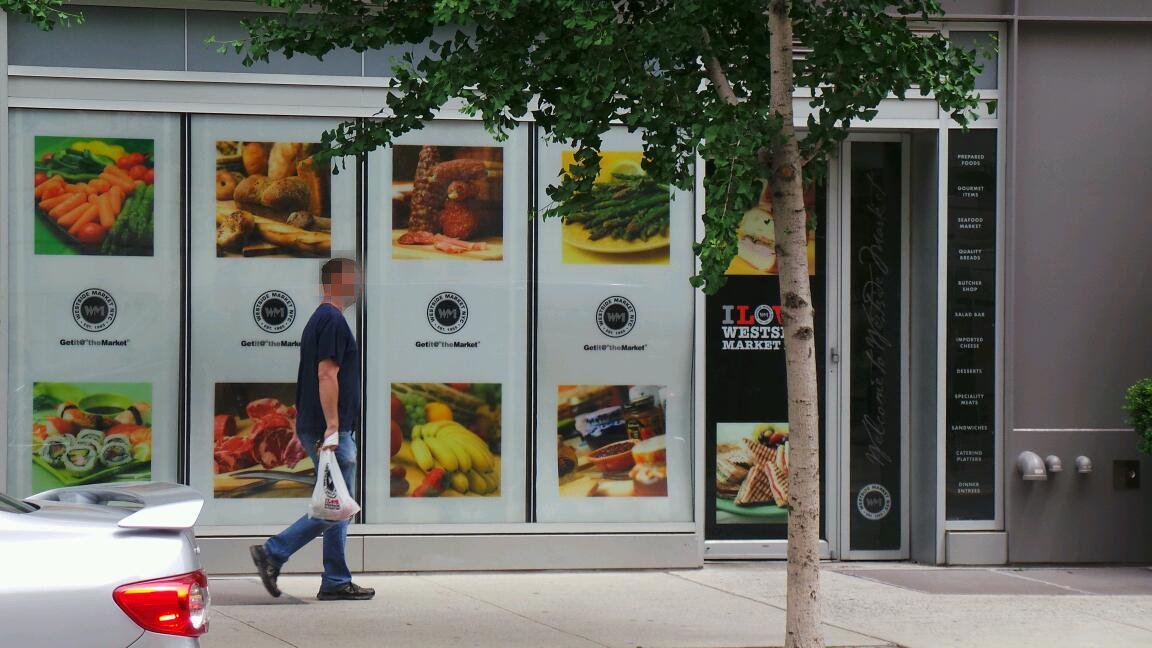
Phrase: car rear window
(9,505)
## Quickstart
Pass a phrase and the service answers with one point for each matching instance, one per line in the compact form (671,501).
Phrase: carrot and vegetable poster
(94,196)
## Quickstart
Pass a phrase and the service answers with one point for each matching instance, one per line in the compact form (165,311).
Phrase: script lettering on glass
(875,425)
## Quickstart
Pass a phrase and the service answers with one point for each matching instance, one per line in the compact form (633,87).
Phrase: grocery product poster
(624,219)
(445,439)
(448,202)
(614,371)
(265,215)
(756,237)
(255,448)
(272,199)
(90,433)
(447,237)
(611,441)
(746,402)
(93,298)
(94,196)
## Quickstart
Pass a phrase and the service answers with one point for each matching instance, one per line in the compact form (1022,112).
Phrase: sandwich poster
(756,253)
(746,394)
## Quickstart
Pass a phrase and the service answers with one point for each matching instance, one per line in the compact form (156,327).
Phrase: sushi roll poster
(88,433)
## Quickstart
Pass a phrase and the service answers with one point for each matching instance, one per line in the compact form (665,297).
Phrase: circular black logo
(94,310)
(447,312)
(274,311)
(616,317)
(874,502)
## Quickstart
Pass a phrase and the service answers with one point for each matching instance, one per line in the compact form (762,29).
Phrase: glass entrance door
(872,416)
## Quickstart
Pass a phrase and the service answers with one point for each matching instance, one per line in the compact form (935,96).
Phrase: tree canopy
(692,76)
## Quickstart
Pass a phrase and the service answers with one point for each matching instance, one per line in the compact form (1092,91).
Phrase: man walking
(328,409)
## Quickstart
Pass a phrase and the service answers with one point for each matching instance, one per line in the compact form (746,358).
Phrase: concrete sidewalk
(737,605)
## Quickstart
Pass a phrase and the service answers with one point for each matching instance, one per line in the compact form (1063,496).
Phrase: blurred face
(345,285)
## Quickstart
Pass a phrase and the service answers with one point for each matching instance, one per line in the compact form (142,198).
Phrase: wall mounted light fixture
(1083,465)
(1053,463)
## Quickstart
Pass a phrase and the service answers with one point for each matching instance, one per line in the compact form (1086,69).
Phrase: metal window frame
(997,122)
(5,327)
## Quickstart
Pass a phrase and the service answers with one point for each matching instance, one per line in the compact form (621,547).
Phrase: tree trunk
(803,626)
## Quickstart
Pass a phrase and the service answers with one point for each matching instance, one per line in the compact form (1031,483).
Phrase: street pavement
(726,605)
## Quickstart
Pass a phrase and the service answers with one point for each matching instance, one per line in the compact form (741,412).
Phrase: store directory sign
(970,418)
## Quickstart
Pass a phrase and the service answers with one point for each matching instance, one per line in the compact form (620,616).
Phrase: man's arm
(327,373)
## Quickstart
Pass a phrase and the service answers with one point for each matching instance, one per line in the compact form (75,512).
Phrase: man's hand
(331,440)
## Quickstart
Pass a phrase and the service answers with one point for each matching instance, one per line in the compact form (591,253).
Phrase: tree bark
(803,626)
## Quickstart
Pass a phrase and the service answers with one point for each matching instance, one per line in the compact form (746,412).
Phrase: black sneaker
(349,592)
(264,567)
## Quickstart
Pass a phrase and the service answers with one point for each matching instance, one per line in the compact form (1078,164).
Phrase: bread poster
(273,199)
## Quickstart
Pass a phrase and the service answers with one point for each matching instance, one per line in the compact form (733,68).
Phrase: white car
(103,565)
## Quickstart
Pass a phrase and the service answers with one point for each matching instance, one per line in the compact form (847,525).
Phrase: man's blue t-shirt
(327,337)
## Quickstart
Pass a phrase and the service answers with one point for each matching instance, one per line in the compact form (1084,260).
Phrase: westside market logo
(616,317)
(447,313)
(751,328)
(94,310)
(274,311)
(873,502)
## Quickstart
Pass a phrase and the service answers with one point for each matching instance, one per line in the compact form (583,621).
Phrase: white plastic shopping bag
(330,498)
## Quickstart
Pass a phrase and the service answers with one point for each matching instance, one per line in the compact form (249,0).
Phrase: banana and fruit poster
(95,249)
(446,271)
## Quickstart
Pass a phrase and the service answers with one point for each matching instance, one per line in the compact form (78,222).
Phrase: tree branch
(716,73)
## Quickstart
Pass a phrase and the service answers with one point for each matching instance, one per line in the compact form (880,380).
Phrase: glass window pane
(984,42)
(264,219)
(94,298)
(447,363)
(614,418)
(110,37)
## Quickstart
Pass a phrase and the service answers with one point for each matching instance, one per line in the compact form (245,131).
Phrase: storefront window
(614,414)
(985,45)
(447,276)
(94,299)
(264,216)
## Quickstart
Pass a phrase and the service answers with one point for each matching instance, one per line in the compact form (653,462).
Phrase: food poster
(445,439)
(90,433)
(624,219)
(447,202)
(756,236)
(94,195)
(607,338)
(611,441)
(272,199)
(449,327)
(254,272)
(751,473)
(100,305)
(746,400)
(255,448)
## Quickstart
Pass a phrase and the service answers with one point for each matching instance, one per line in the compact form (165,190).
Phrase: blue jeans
(281,546)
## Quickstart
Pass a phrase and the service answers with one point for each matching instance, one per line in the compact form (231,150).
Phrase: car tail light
(177,605)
